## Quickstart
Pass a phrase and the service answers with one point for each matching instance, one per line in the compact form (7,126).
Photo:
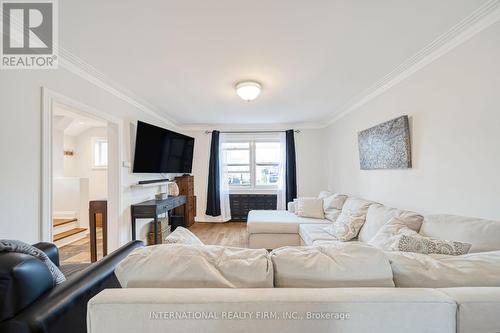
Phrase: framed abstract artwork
(386,146)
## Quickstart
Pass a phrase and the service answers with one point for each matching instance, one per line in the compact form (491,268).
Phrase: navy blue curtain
(213,192)
(290,167)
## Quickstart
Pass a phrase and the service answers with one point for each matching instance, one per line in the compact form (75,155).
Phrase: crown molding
(251,127)
(77,66)
(480,19)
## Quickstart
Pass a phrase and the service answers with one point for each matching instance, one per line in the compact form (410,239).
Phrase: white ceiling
(312,57)
(72,122)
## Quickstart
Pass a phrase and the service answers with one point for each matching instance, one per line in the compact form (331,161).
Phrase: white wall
(98,178)
(70,162)
(70,199)
(20,168)
(310,165)
(454,107)
(58,153)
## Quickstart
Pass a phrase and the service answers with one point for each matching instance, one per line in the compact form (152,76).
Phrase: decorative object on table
(173,189)
(161,196)
(163,229)
(386,146)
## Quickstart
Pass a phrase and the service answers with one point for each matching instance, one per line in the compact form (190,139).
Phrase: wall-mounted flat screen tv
(158,150)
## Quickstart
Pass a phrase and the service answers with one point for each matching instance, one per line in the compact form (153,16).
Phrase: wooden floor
(79,252)
(229,234)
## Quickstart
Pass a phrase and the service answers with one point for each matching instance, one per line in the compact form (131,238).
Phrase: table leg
(93,236)
(133,227)
(105,231)
(155,229)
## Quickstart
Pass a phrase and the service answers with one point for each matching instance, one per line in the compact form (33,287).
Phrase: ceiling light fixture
(248,90)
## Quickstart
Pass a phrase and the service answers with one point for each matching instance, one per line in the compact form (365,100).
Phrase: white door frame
(49,98)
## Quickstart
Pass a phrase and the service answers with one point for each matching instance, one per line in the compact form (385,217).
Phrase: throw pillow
(332,206)
(182,236)
(389,233)
(425,245)
(310,207)
(346,227)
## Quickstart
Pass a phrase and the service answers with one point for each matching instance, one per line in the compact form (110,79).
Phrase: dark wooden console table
(152,209)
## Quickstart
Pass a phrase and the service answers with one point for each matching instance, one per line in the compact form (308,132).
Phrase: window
(253,163)
(267,163)
(238,156)
(100,146)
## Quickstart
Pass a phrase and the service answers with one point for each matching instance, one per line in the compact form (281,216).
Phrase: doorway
(80,165)
(79,176)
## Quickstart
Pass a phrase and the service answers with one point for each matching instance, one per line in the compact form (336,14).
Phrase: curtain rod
(237,132)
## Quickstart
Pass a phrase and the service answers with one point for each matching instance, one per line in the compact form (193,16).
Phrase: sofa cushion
(332,206)
(389,233)
(277,222)
(335,310)
(272,241)
(378,215)
(484,235)
(328,242)
(346,227)
(313,232)
(182,236)
(478,308)
(310,207)
(415,270)
(356,206)
(426,245)
(350,220)
(195,266)
(331,266)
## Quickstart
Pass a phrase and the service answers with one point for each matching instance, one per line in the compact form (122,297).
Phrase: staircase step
(68,233)
(58,222)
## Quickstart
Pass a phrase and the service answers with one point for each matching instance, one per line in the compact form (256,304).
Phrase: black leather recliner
(30,304)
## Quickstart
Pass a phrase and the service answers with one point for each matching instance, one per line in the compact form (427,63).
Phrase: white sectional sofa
(299,289)
(273,229)
(297,310)
(326,286)
(270,229)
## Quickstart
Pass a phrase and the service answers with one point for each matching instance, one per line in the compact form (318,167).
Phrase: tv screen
(158,150)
